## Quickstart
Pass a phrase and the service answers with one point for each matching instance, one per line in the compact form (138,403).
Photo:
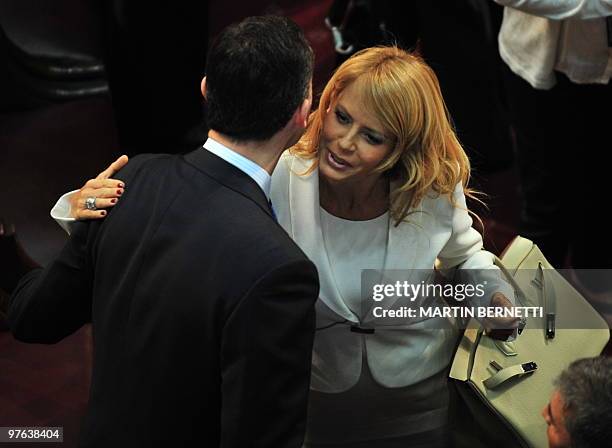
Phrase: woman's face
(353,141)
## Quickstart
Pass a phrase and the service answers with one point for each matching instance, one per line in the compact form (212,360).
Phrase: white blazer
(396,357)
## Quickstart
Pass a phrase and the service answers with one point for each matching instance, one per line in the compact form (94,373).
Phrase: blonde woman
(378,181)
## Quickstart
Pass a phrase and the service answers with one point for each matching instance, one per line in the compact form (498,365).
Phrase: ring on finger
(90,203)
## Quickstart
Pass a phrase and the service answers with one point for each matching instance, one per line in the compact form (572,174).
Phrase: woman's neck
(354,201)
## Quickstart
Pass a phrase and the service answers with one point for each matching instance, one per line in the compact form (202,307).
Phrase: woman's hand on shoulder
(102,193)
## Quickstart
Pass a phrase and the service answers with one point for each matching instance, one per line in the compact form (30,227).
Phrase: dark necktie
(272,210)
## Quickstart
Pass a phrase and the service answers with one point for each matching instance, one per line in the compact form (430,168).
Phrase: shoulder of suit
(283,168)
(142,159)
(288,160)
(435,204)
(439,201)
(289,164)
(136,163)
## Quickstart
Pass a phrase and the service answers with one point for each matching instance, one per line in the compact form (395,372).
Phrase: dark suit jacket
(202,310)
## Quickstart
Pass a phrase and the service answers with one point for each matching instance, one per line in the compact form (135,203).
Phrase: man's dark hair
(258,73)
(586,389)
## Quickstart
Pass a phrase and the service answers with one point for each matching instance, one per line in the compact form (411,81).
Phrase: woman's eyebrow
(344,111)
(374,131)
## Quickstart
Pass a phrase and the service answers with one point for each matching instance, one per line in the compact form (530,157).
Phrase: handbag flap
(516,252)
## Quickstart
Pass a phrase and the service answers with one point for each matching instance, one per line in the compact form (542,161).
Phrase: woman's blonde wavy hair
(402,91)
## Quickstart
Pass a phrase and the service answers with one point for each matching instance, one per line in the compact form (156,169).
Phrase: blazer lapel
(399,259)
(405,243)
(307,233)
(228,175)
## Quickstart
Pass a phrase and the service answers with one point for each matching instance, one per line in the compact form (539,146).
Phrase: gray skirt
(371,415)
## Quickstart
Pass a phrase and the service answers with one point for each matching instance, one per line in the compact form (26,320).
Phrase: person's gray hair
(586,389)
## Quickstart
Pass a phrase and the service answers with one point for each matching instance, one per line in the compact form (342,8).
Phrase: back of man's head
(586,391)
(257,74)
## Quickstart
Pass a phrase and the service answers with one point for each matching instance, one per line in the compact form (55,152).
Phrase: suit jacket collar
(228,175)
(252,169)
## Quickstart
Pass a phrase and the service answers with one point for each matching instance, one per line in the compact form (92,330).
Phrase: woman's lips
(337,162)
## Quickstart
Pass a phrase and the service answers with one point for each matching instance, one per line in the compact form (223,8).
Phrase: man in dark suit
(202,306)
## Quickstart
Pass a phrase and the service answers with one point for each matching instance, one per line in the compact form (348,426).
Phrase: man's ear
(304,112)
(203,87)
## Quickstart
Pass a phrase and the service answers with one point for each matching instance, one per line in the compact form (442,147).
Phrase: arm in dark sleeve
(265,360)
(52,303)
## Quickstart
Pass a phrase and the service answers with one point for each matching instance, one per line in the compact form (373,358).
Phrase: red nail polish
(119,192)
(113,200)
(103,213)
(120,185)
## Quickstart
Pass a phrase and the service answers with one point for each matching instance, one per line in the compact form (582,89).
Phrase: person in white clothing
(559,63)
(378,181)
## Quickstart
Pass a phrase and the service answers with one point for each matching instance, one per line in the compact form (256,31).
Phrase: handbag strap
(505,374)
(520,293)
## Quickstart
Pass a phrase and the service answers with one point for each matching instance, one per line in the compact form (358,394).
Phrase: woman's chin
(331,174)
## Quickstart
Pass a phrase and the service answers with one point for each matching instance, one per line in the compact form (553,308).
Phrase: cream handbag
(503,386)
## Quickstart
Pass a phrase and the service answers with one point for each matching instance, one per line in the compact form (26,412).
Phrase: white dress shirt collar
(250,168)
